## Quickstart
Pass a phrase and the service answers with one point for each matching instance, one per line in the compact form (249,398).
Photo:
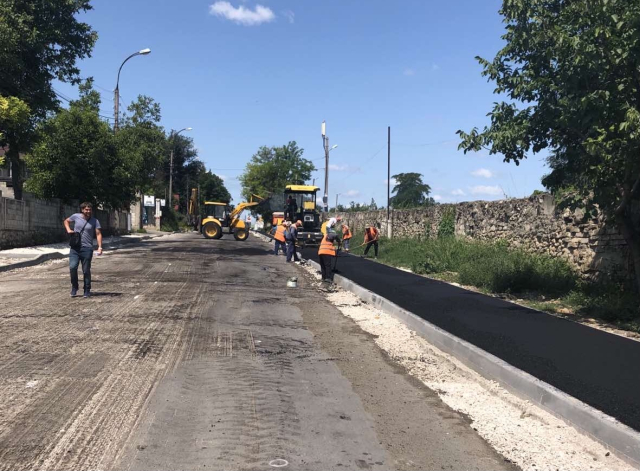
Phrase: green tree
(410,191)
(272,168)
(75,157)
(142,143)
(571,71)
(212,188)
(14,113)
(41,41)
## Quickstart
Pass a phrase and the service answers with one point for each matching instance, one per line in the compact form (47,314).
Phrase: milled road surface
(596,367)
(193,355)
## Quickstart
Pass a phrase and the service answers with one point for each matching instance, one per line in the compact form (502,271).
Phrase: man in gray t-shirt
(88,227)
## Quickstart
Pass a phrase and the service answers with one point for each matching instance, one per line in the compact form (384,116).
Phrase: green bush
(172,221)
(490,266)
(607,301)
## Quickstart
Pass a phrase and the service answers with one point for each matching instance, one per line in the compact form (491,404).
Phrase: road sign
(163,202)
(149,200)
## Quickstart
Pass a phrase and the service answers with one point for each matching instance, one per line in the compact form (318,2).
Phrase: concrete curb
(623,440)
(57,255)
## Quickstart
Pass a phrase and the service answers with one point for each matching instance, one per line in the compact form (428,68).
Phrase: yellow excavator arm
(249,204)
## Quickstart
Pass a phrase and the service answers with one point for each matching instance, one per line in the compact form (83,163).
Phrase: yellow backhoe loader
(220,218)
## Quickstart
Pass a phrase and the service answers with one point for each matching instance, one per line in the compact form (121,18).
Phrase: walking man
(327,255)
(371,236)
(89,228)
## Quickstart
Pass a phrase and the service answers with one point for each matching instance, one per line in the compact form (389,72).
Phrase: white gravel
(525,434)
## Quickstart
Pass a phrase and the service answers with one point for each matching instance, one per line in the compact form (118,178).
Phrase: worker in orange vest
(371,236)
(327,254)
(279,238)
(346,237)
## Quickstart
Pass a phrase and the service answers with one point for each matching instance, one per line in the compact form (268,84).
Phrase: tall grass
(496,268)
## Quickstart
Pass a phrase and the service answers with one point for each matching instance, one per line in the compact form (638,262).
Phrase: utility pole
(388,182)
(171,177)
(116,105)
(325,143)
(173,138)
(336,208)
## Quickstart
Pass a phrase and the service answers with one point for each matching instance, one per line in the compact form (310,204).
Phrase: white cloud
(409,72)
(483,172)
(224,178)
(486,190)
(242,15)
(435,67)
(458,192)
(291,16)
(343,168)
(437,197)
(394,182)
(352,193)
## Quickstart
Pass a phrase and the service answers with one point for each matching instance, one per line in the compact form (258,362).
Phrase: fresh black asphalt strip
(598,368)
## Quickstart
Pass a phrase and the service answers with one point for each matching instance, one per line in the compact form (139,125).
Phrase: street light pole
(325,143)
(327,149)
(336,208)
(173,141)
(116,92)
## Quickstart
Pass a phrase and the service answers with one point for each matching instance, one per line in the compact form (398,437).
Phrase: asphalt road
(194,355)
(598,368)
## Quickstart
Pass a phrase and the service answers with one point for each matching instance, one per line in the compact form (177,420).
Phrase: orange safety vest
(326,247)
(370,234)
(279,235)
(346,233)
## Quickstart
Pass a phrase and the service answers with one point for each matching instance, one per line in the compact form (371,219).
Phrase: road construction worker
(279,238)
(346,237)
(291,241)
(332,223)
(327,255)
(371,236)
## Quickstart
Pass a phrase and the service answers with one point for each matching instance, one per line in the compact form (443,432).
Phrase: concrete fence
(34,222)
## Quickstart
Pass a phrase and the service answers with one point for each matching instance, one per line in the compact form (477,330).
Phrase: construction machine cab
(300,205)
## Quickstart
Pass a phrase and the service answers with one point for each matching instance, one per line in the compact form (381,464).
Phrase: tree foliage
(75,157)
(13,113)
(142,142)
(41,41)
(572,76)
(272,168)
(212,188)
(410,191)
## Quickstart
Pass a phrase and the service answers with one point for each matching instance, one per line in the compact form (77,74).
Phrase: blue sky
(245,74)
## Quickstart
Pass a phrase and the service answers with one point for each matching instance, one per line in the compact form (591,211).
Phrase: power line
(425,144)
(366,161)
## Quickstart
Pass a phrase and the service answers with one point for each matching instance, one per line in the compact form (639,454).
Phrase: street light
(142,52)
(173,140)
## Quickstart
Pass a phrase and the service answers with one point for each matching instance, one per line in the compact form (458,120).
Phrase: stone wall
(34,222)
(533,223)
